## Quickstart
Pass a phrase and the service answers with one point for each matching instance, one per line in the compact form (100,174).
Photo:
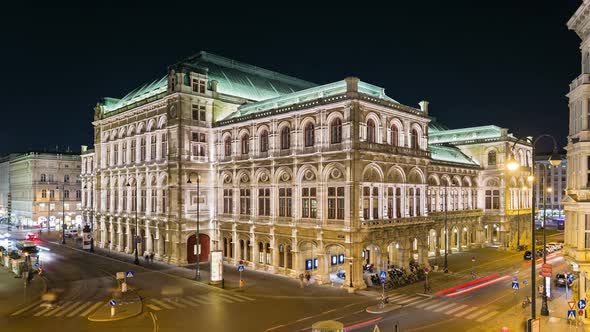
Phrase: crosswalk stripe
(43,311)
(244,297)
(199,300)
(174,302)
(434,305)
(411,299)
(64,309)
(221,298)
(77,310)
(153,307)
(477,313)
(445,307)
(91,309)
(456,309)
(231,298)
(426,303)
(468,310)
(58,308)
(189,302)
(393,298)
(485,317)
(162,304)
(21,310)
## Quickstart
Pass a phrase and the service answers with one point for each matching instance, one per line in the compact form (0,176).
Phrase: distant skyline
(508,63)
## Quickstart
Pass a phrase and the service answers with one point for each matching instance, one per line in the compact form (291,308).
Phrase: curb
(92,317)
(380,309)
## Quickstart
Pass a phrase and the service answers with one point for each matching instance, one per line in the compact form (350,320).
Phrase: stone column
(119,236)
(149,246)
(323,274)
(129,235)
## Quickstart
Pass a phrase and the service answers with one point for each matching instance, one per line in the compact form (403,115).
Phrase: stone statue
(97,112)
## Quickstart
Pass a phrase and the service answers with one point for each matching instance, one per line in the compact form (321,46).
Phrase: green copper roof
(450,154)
(464,134)
(321,91)
(234,78)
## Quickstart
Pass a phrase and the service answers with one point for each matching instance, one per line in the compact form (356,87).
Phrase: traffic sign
(129,274)
(572,304)
(515,285)
(240,268)
(120,275)
(383,280)
(571,314)
(36,264)
(383,274)
(582,304)
(546,270)
(580,313)
(113,302)
(515,278)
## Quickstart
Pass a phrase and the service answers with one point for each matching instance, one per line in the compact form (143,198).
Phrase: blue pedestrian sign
(240,268)
(129,274)
(571,315)
(383,280)
(515,285)
(113,302)
(582,304)
(383,274)
(36,264)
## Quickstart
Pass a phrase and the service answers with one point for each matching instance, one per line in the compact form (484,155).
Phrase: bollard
(241,283)
(112,311)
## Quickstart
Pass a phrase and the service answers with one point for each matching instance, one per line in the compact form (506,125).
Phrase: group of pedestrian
(306,277)
(149,258)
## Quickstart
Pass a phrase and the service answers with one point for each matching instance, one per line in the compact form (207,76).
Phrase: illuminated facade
(293,175)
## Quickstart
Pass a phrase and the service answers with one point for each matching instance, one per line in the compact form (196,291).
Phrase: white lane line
(434,305)
(80,308)
(91,309)
(153,307)
(410,299)
(174,301)
(483,318)
(188,302)
(456,309)
(445,307)
(477,313)
(468,310)
(162,304)
(230,297)
(21,310)
(43,311)
(243,297)
(199,300)
(64,309)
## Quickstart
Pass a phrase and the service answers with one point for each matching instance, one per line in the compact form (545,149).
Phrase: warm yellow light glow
(512,164)
(549,189)
(530,178)
(524,188)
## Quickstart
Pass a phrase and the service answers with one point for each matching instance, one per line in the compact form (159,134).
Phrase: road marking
(477,313)
(91,309)
(153,307)
(174,301)
(64,309)
(77,310)
(244,297)
(20,311)
(436,304)
(445,307)
(483,318)
(221,298)
(466,311)
(162,304)
(231,298)
(43,311)
(456,309)
(426,303)
(199,300)
(189,302)
(393,298)
(410,299)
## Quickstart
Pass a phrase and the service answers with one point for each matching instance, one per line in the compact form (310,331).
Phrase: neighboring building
(293,175)
(577,201)
(43,186)
(4,189)
(554,179)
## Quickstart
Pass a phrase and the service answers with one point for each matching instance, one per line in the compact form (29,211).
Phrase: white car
(71,232)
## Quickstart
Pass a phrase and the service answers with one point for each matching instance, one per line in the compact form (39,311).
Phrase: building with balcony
(551,189)
(290,176)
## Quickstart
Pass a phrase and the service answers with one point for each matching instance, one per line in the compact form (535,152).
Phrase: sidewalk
(13,293)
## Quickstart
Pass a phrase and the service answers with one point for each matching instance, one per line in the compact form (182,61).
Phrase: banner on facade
(216,265)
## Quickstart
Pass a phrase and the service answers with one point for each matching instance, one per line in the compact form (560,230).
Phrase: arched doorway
(191,243)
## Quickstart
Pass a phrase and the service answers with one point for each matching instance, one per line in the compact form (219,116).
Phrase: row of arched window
(394,133)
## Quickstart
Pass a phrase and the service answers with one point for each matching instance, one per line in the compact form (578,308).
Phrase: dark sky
(500,62)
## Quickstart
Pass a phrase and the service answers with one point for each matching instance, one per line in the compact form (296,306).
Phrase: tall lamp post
(63,214)
(198,268)
(446,265)
(135,237)
(91,222)
(513,165)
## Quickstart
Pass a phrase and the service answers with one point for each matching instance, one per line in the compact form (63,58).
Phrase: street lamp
(91,222)
(63,214)
(446,265)
(135,237)
(198,268)
(513,165)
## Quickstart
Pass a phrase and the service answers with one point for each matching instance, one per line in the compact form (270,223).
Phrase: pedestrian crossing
(66,309)
(444,306)
(184,302)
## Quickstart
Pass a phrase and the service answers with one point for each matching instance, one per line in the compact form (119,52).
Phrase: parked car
(72,232)
(27,247)
(562,278)
(32,237)
(527,255)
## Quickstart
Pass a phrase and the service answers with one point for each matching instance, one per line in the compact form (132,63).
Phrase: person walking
(152,257)
(307,277)
(301,280)
(147,258)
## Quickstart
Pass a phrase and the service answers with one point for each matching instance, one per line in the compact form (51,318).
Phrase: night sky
(507,64)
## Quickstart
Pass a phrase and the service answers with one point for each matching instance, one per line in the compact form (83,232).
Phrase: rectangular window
(309,203)
(125,199)
(366,199)
(245,201)
(264,202)
(154,200)
(51,194)
(227,201)
(587,232)
(336,203)
(143,200)
(164,151)
(133,150)
(390,200)
(199,85)
(285,200)
(124,152)
(153,148)
(116,153)
(375,201)
(164,201)
(588,172)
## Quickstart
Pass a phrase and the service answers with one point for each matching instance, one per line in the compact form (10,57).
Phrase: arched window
(285,138)
(370,131)
(245,144)
(336,131)
(492,158)
(264,141)
(309,134)
(414,139)
(394,135)
(227,146)
(66,194)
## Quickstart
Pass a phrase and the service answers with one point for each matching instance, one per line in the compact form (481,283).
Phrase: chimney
(84,148)
(424,107)
(214,85)
(352,84)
